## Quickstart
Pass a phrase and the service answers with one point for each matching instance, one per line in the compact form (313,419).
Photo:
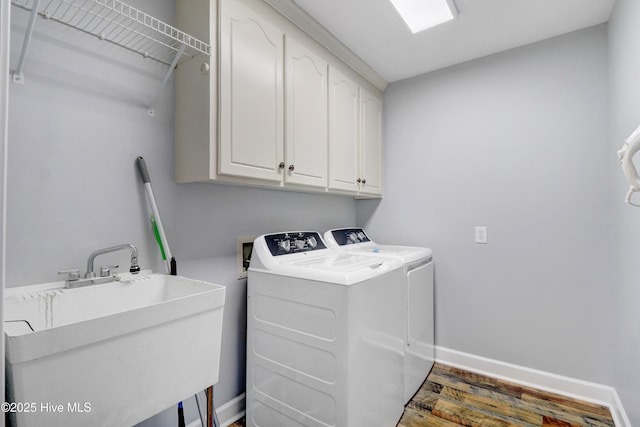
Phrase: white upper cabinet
(251,94)
(306,116)
(355,136)
(343,131)
(272,108)
(370,177)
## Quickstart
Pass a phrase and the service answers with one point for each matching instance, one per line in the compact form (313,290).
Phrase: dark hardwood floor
(453,397)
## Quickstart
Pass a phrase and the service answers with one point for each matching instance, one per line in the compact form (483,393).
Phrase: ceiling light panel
(420,15)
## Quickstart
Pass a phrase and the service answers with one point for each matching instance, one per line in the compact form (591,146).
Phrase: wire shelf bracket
(18,76)
(172,66)
(118,23)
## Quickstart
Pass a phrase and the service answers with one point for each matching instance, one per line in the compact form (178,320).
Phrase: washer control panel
(349,236)
(294,242)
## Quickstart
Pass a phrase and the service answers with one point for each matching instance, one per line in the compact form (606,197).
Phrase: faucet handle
(73,274)
(105,271)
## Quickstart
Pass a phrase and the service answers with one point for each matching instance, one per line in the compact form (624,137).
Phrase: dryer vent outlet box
(245,248)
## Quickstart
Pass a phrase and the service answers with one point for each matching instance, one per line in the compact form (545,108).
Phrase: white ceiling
(375,32)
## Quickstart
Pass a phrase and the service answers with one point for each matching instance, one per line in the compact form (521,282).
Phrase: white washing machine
(418,308)
(324,336)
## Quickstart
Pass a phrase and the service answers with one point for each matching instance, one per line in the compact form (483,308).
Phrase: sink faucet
(135,269)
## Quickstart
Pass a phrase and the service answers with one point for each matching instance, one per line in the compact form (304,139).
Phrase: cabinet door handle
(364,181)
(291,168)
(281,165)
(358,180)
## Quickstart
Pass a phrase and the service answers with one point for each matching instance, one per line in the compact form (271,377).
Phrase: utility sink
(112,354)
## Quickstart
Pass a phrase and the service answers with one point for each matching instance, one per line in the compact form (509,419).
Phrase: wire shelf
(123,25)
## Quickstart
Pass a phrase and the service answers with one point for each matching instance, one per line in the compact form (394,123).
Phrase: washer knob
(284,245)
(312,242)
(353,237)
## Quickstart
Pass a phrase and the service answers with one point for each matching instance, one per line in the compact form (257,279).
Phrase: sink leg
(212,416)
(203,421)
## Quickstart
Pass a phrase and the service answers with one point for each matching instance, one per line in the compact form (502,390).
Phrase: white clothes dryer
(325,335)
(418,307)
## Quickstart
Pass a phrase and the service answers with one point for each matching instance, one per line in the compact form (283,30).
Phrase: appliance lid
(340,269)
(404,253)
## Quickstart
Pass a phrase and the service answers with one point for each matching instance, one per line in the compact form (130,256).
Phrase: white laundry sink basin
(110,354)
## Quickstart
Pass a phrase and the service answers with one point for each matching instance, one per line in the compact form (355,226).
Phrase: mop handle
(170,264)
(144,173)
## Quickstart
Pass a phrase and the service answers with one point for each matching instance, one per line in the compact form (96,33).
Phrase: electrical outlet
(481,235)
(245,247)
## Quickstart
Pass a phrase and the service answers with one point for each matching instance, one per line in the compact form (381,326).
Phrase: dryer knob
(353,237)
(312,242)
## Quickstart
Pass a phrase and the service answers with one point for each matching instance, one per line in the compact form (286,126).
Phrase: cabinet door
(306,116)
(370,143)
(251,94)
(343,131)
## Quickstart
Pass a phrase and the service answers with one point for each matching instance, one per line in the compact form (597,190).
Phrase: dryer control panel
(349,236)
(294,242)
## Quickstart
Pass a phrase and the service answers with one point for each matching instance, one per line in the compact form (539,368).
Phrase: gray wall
(517,142)
(76,127)
(624,62)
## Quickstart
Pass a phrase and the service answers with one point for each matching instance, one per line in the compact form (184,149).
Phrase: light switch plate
(481,234)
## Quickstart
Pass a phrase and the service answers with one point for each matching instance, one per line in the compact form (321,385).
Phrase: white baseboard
(228,413)
(570,387)
(619,415)
(231,411)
